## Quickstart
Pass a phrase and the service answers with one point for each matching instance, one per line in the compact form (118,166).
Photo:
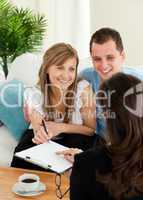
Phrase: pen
(43,123)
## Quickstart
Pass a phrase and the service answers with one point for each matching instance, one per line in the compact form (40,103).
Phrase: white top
(33,99)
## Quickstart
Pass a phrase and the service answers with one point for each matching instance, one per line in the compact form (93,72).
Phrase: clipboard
(44,155)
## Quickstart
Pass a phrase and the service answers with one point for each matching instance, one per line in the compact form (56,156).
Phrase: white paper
(45,156)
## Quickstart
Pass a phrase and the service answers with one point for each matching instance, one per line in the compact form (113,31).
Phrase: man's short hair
(104,35)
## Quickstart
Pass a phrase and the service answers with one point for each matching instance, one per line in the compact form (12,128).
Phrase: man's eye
(110,58)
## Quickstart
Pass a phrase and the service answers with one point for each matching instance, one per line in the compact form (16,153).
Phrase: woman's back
(88,165)
(83,181)
(114,169)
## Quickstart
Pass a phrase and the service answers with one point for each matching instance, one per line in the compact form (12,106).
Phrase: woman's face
(63,75)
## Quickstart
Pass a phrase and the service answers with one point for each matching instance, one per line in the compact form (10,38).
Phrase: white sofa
(24,68)
(7,145)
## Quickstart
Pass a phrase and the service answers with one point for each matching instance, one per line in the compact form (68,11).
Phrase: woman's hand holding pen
(40,136)
(47,131)
(39,133)
(54,128)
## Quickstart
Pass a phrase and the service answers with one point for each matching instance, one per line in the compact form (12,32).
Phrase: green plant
(20,31)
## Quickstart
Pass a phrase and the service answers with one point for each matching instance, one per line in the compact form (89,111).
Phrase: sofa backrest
(25,68)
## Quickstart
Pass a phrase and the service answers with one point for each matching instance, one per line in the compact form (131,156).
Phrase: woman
(63,104)
(114,169)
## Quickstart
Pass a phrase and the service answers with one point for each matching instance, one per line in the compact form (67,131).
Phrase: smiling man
(108,56)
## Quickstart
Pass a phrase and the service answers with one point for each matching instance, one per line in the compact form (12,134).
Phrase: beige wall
(126,16)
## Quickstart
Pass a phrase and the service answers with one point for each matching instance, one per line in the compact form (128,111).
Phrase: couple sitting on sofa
(71,123)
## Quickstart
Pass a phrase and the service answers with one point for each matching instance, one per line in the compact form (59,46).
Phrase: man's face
(107,60)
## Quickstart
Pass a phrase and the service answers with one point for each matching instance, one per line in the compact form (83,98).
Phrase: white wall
(68,21)
(32,4)
(125,16)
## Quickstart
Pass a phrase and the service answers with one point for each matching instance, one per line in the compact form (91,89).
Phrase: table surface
(9,176)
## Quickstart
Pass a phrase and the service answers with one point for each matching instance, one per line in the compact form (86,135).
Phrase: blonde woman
(65,105)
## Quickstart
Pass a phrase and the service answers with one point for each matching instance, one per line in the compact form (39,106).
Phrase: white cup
(28,182)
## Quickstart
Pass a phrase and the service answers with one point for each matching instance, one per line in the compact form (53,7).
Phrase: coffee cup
(28,182)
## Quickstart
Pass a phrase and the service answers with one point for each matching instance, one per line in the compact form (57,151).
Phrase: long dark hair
(125,133)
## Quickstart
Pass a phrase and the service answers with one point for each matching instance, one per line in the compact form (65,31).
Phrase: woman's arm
(79,179)
(88,115)
(55,129)
(33,113)
(40,135)
(76,128)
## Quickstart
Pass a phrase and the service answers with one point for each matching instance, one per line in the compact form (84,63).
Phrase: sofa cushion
(7,146)
(11,107)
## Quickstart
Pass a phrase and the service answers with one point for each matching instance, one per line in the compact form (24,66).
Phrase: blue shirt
(93,78)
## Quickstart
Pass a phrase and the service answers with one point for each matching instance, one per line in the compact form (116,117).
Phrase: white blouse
(33,100)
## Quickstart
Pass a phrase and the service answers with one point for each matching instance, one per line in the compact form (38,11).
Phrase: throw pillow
(11,107)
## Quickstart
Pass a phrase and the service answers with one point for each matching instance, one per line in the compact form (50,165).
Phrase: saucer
(17,190)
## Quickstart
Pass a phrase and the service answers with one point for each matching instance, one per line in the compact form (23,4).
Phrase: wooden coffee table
(9,176)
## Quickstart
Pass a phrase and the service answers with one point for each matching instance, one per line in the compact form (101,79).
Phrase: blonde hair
(57,55)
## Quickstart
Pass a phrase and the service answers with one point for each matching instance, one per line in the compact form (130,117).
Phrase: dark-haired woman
(114,169)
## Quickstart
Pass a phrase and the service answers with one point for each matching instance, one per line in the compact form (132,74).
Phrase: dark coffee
(28,180)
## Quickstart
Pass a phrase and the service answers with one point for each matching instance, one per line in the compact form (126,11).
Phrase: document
(45,156)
